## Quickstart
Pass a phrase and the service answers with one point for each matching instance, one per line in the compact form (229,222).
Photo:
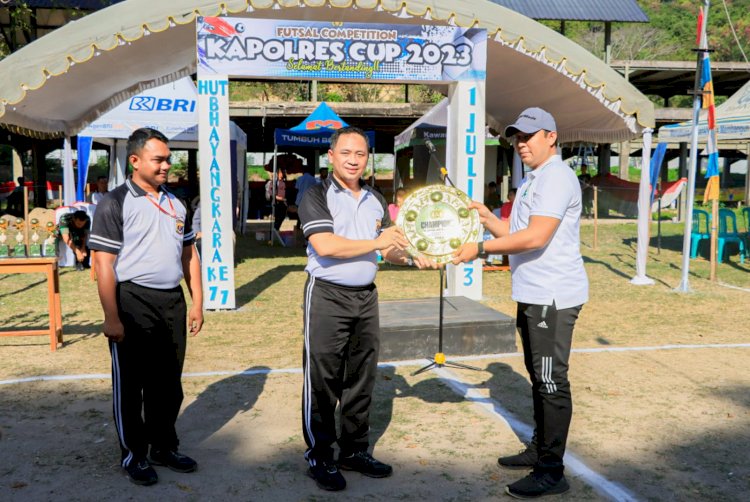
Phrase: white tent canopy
(104,58)
(732,121)
(434,119)
(170,109)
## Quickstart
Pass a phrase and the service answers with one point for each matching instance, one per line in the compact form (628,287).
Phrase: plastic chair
(728,233)
(700,231)
(746,233)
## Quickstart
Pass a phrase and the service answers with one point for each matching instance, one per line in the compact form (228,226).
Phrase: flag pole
(684,286)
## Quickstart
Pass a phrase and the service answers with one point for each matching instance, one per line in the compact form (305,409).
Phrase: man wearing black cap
(550,285)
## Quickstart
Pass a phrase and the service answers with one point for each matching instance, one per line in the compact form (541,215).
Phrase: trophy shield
(436,221)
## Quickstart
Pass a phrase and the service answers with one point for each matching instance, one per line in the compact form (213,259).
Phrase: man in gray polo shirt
(144,247)
(550,285)
(345,223)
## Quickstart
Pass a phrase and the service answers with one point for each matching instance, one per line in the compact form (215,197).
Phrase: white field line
(725,285)
(576,466)
(397,364)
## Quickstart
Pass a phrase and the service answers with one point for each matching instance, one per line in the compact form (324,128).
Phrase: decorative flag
(699,31)
(707,101)
(656,161)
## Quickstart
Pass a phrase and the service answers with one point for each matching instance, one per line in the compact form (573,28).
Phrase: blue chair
(746,233)
(728,232)
(700,231)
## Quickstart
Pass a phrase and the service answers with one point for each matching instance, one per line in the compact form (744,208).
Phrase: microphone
(433,153)
(430,147)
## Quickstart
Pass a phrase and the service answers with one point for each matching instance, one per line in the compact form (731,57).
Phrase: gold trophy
(4,249)
(436,220)
(19,250)
(49,242)
(35,249)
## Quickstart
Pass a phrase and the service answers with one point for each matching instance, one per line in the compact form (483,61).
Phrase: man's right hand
(484,211)
(114,330)
(391,236)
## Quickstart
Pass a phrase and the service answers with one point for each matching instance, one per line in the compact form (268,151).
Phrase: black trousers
(340,357)
(147,369)
(547,335)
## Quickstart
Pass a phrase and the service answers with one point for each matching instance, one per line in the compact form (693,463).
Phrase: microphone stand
(439,360)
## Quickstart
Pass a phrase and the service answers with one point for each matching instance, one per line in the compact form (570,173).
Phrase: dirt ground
(660,383)
(661,424)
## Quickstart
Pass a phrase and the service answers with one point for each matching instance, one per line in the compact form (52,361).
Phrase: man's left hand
(466,253)
(195,320)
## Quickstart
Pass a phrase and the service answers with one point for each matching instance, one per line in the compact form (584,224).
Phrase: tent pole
(644,215)
(274,234)
(684,286)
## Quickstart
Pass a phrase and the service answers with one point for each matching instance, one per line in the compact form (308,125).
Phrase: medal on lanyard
(172,214)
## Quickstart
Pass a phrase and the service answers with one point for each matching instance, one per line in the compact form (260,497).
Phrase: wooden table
(47,266)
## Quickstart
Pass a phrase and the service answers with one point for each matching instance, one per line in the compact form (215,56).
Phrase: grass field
(666,425)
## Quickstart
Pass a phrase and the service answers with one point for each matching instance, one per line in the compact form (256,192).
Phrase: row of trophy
(20,249)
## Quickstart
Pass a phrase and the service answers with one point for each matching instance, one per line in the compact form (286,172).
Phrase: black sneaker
(141,473)
(79,266)
(327,476)
(526,459)
(175,461)
(538,484)
(364,463)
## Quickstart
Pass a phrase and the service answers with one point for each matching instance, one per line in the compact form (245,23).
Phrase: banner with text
(217,247)
(284,49)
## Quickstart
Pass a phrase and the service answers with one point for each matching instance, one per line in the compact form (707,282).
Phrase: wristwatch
(481,253)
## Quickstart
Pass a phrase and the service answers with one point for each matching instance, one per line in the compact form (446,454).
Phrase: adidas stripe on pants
(547,335)
(340,356)
(147,368)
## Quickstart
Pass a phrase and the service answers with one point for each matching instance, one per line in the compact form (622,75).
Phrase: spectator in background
(587,191)
(280,206)
(74,232)
(504,212)
(492,199)
(101,189)
(304,182)
(394,208)
(323,174)
(15,199)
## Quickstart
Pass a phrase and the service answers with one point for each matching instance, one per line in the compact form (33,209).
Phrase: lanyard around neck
(172,214)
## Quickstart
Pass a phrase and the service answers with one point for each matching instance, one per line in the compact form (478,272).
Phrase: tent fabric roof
(732,121)
(315,130)
(65,4)
(171,109)
(65,80)
(578,10)
(433,126)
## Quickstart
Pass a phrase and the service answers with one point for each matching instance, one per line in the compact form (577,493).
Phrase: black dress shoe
(175,461)
(141,473)
(364,463)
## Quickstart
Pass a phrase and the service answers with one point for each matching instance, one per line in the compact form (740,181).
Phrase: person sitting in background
(74,231)
(394,208)
(101,189)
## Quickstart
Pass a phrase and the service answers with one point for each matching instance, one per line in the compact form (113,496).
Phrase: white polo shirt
(554,273)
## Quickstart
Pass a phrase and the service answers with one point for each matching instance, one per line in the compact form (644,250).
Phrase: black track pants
(147,369)
(547,334)
(342,330)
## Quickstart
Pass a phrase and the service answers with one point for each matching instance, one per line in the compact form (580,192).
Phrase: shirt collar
(536,172)
(137,191)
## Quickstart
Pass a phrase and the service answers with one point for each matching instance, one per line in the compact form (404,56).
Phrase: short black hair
(101,178)
(80,215)
(348,130)
(140,137)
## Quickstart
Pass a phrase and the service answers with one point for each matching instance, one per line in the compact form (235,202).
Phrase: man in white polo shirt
(550,285)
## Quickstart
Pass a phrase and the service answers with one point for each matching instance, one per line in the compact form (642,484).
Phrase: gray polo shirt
(555,272)
(330,207)
(146,235)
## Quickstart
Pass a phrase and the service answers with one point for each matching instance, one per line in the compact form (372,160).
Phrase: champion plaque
(436,220)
